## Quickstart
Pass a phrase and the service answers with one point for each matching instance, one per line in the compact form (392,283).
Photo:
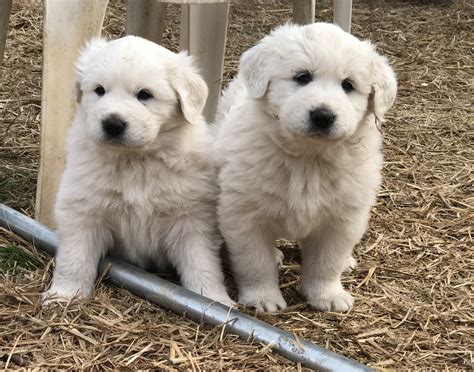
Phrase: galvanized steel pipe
(182,301)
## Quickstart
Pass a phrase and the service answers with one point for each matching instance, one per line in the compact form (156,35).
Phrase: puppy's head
(319,81)
(132,89)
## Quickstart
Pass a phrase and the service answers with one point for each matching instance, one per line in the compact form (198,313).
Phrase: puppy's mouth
(116,142)
(327,134)
(120,143)
(316,134)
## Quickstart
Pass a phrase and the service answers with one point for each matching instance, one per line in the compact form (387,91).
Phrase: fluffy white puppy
(139,180)
(300,158)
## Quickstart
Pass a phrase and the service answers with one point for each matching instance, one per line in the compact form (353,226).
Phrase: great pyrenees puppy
(139,181)
(300,158)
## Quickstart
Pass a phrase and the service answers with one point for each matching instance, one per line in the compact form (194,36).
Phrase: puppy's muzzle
(321,119)
(114,126)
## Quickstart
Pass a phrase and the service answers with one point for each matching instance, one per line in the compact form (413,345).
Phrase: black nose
(114,126)
(322,118)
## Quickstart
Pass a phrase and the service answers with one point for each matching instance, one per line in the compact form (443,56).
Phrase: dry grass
(414,283)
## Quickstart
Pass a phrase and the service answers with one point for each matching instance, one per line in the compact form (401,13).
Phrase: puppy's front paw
(51,297)
(329,297)
(279,256)
(228,302)
(60,293)
(224,299)
(264,300)
(351,264)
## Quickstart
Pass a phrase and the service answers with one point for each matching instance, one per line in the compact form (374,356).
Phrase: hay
(413,286)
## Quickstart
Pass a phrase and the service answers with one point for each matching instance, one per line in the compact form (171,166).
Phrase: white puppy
(300,158)
(139,176)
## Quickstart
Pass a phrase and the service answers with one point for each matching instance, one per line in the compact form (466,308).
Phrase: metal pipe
(182,301)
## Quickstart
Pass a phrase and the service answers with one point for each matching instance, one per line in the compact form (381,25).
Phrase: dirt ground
(414,283)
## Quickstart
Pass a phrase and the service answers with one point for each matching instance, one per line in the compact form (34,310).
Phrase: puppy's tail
(230,96)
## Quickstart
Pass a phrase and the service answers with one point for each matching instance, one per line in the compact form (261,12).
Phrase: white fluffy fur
(280,181)
(149,197)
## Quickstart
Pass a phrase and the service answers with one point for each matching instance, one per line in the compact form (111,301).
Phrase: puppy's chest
(310,191)
(142,203)
(147,190)
(312,194)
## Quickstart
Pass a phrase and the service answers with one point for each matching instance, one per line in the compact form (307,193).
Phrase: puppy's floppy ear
(254,69)
(384,87)
(87,54)
(190,86)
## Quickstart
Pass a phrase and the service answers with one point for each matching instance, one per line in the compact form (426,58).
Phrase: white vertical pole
(303,11)
(203,34)
(67,25)
(146,18)
(343,14)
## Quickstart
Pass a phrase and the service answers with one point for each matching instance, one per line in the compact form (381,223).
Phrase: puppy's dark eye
(100,91)
(347,85)
(303,77)
(144,95)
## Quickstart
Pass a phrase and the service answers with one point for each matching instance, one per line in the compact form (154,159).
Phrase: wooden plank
(66,27)
(203,34)
(5,9)
(304,11)
(343,13)
(146,18)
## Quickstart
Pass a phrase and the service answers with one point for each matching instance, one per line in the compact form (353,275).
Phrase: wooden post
(203,34)
(146,18)
(5,9)
(303,11)
(67,25)
(343,13)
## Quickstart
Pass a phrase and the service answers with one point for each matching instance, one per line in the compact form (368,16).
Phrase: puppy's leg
(79,252)
(351,264)
(196,258)
(253,256)
(325,257)
(279,256)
